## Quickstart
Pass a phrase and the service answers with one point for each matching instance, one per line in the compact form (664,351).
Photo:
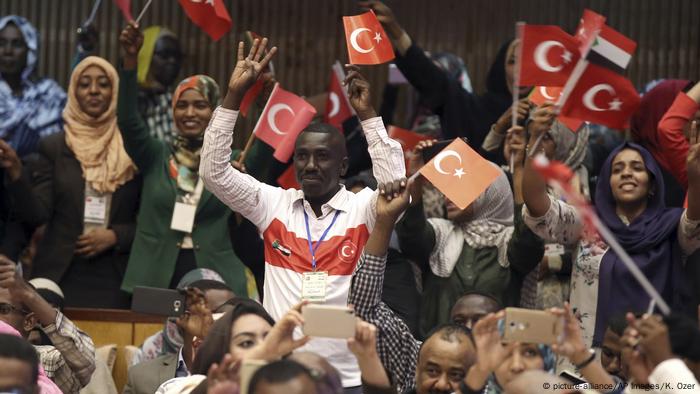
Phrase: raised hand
(506,120)
(638,366)
(130,41)
(364,343)
(198,319)
(542,119)
(654,342)
(280,341)
(10,161)
(248,69)
(359,92)
(393,199)
(490,351)
(571,345)
(385,16)
(223,378)
(515,145)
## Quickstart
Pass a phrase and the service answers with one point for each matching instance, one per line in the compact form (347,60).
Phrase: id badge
(183,217)
(313,286)
(553,249)
(95,209)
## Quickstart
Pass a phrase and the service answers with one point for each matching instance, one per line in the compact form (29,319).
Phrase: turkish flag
(288,179)
(284,117)
(210,15)
(125,7)
(366,40)
(549,55)
(407,139)
(460,173)
(540,94)
(587,30)
(338,107)
(601,96)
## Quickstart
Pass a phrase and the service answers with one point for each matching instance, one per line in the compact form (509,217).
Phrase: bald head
(471,307)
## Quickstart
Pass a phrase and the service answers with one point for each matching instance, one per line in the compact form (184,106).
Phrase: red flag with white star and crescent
(338,108)
(549,54)
(210,15)
(460,173)
(366,40)
(602,96)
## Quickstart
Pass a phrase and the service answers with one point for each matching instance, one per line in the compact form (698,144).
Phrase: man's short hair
(449,332)
(325,128)
(280,371)
(19,349)
(490,296)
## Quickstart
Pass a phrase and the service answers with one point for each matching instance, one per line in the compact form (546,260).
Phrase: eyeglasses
(6,309)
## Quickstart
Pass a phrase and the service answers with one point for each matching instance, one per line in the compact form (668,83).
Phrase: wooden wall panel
(310,35)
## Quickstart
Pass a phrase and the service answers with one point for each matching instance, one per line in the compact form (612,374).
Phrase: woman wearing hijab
(30,107)
(548,286)
(629,200)
(646,131)
(468,251)
(84,187)
(181,226)
(160,59)
(462,114)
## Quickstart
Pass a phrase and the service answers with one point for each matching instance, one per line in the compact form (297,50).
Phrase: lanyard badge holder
(95,213)
(314,283)
(185,209)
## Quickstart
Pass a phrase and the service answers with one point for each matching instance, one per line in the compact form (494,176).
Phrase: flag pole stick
(247,147)
(143,11)
(91,18)
(516,86)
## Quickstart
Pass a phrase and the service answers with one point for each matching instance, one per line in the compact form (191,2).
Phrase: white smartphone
(328,321)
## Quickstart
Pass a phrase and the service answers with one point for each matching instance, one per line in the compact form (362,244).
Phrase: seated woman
(472,250)
(181,226)
(30,107)
(84,187)
(630,202)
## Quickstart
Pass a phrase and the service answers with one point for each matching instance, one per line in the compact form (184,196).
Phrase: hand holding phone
(531,326)
(328,321)
(157,301)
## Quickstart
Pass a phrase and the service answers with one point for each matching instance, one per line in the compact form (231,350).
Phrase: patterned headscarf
(548,358)
(571,149)
(151,35)
(169,341)
(97,142)
(186,150)
(36,112)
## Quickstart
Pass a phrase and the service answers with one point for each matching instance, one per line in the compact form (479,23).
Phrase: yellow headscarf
(97,142)
(150,37)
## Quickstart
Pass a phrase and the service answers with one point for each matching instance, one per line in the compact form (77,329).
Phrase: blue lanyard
(308,237)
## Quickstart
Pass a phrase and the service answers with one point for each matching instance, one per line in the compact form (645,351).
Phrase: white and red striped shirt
(279,216)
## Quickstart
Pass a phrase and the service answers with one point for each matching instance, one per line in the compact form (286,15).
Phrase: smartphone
(432,151)
(157,301)
(531,326)
(247,370)
(570,377)
(328,321)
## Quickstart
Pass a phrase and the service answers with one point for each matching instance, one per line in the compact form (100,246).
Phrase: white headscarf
(491,225)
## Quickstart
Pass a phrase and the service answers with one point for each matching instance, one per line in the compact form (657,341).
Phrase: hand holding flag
(338,107)
(359,93)
(366,40)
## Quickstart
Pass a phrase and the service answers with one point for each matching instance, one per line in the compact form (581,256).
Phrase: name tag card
(183,217)
(313,286)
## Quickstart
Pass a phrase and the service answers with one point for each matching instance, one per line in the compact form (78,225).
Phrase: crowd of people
(129,179)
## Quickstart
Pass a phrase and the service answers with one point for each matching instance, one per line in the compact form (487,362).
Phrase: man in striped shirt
(314,234)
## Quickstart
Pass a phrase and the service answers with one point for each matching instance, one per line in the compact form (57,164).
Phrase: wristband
(588,360)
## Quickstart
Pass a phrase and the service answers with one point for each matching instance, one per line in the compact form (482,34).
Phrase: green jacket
(476,270)
(156,247)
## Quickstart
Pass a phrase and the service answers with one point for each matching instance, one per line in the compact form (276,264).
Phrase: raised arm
(689,227)
(397,348)
(387,155)
(672,140)
(138,143)
(241,192)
